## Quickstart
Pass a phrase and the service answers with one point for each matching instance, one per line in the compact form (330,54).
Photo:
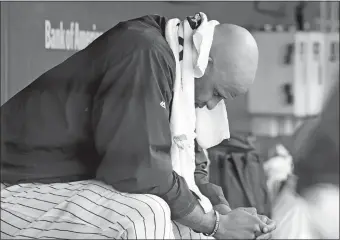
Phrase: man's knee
(155,222)
(159,207)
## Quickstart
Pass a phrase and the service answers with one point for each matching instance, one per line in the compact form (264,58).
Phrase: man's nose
(213,102)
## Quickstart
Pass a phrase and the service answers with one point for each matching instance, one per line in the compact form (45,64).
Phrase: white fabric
(182,121)
(292,218)
(85,210)
(202,40)
(278,168)
(183,114)
(81,210)
(315,215)
(212,126)
(323,206)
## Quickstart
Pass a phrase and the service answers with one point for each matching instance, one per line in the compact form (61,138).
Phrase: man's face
(213,87)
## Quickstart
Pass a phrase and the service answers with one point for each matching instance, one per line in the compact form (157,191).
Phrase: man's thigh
(85,209)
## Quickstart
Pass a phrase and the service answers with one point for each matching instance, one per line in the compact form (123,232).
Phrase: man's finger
(264,227)
(265,236)
(257,230)
(271,225)
(263,218)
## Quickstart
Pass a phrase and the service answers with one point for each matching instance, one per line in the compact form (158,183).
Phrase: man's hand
(239,224)
(270,225)
(264,233)
(222,209)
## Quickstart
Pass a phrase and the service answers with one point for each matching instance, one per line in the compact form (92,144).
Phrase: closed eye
(232,95)
(216,94)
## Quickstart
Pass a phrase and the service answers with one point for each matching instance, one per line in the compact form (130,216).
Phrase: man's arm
(210,190)
(132,134)
(216,196)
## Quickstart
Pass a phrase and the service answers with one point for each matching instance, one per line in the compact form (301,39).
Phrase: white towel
(190,41)
(278,168)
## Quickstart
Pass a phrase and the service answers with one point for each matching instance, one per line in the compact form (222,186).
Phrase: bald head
(232,69)
(234,51)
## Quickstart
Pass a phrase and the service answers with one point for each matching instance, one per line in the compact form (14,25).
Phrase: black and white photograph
(169,119)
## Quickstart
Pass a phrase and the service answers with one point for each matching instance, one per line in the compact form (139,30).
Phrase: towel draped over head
(191,40)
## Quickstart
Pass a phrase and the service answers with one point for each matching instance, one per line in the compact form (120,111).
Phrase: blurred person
(308,205)
(88,145)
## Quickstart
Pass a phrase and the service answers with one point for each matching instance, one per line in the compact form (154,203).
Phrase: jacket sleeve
(210,190)
(132,131)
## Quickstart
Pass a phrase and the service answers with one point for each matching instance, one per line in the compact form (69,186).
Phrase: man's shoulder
(141,39)
(154,20)
(145,32)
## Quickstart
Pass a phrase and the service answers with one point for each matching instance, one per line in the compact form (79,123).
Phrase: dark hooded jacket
(103,113)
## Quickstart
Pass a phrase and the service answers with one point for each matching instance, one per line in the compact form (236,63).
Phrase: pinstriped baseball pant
(85,209)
